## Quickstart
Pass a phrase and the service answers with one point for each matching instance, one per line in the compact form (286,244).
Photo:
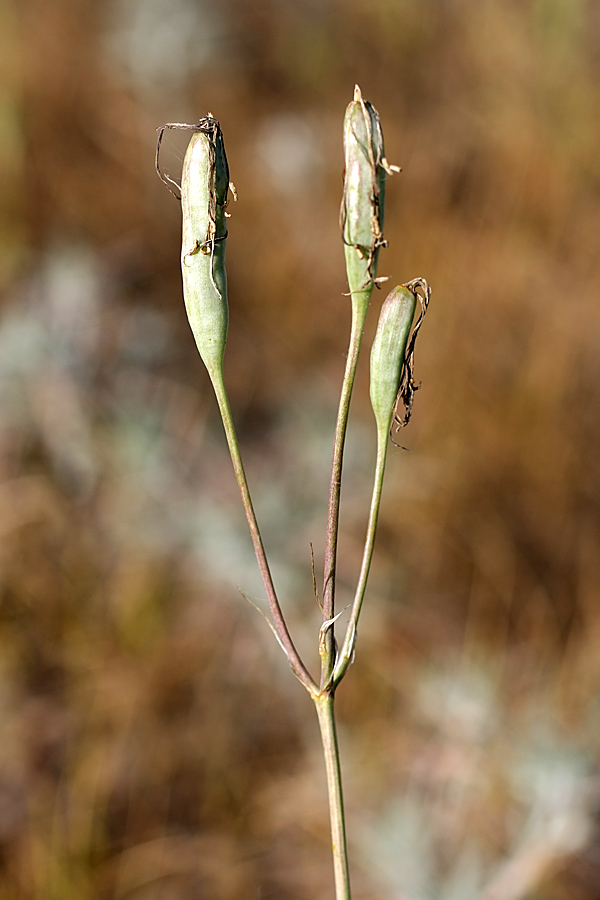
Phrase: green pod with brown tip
(204,187)
(388,353)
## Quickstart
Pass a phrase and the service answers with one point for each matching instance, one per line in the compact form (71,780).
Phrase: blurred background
(154,744)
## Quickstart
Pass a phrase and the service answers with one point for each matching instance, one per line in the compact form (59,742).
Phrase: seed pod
(204,186)
(388,353)
(361,214)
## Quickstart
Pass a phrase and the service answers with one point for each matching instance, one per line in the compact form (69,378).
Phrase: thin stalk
(347,650)
(279,622)
(359,311)
(325,713)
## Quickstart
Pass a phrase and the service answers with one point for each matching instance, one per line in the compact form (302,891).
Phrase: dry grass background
(154,745)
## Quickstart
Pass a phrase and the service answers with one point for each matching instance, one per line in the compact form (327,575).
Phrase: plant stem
(360,302)
(279,622)
(325,713)
(347,650)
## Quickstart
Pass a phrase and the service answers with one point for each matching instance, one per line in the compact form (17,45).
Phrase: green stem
(279,622)
(325,713)
(360,302)
(347,650)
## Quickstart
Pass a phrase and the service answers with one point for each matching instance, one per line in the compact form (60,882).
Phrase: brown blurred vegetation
(154,745)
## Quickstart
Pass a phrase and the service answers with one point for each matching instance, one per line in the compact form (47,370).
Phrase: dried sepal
(408,387)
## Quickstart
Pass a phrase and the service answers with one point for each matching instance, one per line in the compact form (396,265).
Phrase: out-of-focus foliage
(154,744)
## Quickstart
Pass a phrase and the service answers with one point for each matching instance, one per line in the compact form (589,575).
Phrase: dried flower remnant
(362,210)
(204,196)
(408,386)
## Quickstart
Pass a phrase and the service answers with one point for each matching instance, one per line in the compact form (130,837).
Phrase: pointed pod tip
(357,94)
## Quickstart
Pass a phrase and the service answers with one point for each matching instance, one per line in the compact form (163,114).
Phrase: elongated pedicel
(388,353)
(204,187)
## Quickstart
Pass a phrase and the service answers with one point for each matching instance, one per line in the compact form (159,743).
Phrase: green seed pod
(361,214)
(204,186)
(388,353)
